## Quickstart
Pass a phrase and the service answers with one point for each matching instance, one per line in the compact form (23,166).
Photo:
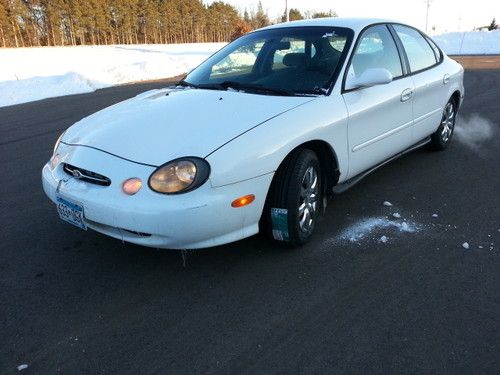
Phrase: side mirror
(370,77)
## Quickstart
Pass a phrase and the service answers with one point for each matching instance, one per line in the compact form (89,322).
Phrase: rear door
(429,77)
(380,117)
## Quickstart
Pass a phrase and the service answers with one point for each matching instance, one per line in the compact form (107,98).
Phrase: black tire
(444,133)
(294,190)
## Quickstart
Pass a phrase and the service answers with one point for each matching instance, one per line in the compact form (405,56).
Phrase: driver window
(376,49)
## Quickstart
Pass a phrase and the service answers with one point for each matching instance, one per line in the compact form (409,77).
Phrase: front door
(380,117)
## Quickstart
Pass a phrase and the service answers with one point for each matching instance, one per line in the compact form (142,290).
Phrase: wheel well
(327,160)
(456,98)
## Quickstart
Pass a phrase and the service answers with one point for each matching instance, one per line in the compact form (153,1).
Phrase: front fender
(261,150)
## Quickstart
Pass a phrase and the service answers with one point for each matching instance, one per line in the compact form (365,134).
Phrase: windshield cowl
(250,88)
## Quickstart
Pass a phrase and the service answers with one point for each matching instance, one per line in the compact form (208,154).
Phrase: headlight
(179,176)
(58,142)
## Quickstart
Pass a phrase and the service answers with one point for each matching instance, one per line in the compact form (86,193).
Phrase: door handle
(446,78)
(406,95)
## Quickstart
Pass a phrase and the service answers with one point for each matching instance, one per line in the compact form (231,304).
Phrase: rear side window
(435,48)
(420,54)
(376,49)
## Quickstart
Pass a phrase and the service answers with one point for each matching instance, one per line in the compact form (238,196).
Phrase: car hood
(160,125)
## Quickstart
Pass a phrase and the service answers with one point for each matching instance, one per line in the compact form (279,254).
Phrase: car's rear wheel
(442,137)
(295,199)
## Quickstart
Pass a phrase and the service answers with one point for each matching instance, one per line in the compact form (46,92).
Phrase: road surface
(75,302)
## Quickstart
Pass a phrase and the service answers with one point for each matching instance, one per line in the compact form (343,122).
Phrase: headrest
(294,59)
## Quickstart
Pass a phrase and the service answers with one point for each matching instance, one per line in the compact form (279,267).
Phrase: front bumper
(200,218)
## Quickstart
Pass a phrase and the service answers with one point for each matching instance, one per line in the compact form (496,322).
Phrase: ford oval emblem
(77,174)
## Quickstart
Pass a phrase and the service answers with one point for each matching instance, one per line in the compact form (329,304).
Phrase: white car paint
(244,137)
(202,119)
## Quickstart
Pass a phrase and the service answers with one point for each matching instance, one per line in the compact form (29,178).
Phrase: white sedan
(256,137)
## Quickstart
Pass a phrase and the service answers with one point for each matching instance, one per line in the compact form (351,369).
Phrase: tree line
(31,23)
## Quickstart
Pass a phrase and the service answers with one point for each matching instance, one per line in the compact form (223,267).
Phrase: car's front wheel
(442,137)
(295,199)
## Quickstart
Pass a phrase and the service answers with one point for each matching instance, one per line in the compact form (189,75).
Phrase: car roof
(356,24)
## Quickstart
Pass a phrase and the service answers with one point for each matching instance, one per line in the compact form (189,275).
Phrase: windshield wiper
(259,88)
(184,83)
(315,91)
(247,87)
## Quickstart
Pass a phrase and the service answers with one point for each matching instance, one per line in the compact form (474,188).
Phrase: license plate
(71,213)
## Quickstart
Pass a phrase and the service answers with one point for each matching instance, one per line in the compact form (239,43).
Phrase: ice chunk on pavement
(397,215)
(22,367)
(387,204)
(383,239)
(465,245)
(364,227)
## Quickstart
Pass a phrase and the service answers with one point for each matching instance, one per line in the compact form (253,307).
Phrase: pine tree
(331,13)
(246,16)
(75,22)
(260,18)
(294,15)
(4,24)
(493,25)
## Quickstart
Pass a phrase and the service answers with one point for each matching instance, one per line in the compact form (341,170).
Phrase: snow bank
(28,74)
(470,42)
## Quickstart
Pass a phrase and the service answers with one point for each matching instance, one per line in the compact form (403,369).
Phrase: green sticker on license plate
(71,212)
(279,220)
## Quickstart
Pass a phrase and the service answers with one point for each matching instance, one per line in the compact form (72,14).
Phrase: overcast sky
(444,15)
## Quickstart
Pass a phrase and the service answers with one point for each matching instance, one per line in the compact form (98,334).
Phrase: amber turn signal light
(243,201)
(132,186)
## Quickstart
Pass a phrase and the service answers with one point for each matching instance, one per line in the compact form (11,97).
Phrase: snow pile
(470,42)
(365,227)
(29,74)
(36,88)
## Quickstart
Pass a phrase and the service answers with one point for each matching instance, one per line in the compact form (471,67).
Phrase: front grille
(85,175)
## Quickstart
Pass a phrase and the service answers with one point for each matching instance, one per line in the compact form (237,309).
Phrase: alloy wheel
(448,122)
(308,202)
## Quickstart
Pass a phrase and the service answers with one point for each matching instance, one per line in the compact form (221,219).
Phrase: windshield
(282,61)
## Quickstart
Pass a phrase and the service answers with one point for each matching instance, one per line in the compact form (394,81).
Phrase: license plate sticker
(71,213)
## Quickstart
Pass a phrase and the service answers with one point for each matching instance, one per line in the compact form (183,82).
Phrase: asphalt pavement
(76,302)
